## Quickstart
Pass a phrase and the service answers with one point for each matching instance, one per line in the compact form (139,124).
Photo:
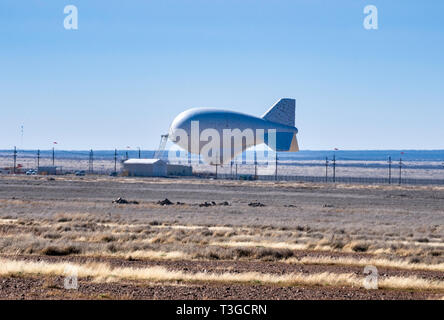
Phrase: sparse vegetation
(231,239)
(103,272)
(360,247)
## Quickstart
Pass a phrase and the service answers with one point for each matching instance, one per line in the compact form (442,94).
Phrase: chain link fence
(284,168)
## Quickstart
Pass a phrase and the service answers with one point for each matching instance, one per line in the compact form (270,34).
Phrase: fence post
(390,170)
(400,170)
(217,157)
(255,164)
(115,160)
(276,164)
(326,169)
(236,170)
(216,170)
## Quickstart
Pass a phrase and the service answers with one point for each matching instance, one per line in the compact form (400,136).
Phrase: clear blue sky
(132,66)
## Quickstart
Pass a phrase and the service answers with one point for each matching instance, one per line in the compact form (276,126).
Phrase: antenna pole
(38,159)
(15,158)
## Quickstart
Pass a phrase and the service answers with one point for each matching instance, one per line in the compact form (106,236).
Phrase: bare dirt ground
(218,239)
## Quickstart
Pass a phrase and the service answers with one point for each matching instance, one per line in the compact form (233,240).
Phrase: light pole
(334,164)
(15,158)
(53,153)
(400,170)
(334,167)
(326,169)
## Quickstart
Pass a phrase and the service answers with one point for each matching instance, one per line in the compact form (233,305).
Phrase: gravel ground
(52,288)
(378,208)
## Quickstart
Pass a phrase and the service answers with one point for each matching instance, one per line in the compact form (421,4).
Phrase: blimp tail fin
(282,112)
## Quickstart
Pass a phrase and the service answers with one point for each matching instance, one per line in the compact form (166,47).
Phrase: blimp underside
(218,136)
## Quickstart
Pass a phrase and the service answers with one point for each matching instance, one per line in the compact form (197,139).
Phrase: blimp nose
(177,129)
(172,130)
(172,134)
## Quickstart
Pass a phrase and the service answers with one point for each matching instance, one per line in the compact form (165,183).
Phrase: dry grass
(59,225)
(88,235)
(152,255)
(378,262)
(408,283)
(295,184)
(274,245)
(375,248)
(102,272)
(333,227)
(313,245)
(246,253)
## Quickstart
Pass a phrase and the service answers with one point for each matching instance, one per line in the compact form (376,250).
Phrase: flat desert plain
(65,237)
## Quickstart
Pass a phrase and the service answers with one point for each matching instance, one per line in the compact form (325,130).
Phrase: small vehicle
(80,173)
(113,174)
(31,172)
